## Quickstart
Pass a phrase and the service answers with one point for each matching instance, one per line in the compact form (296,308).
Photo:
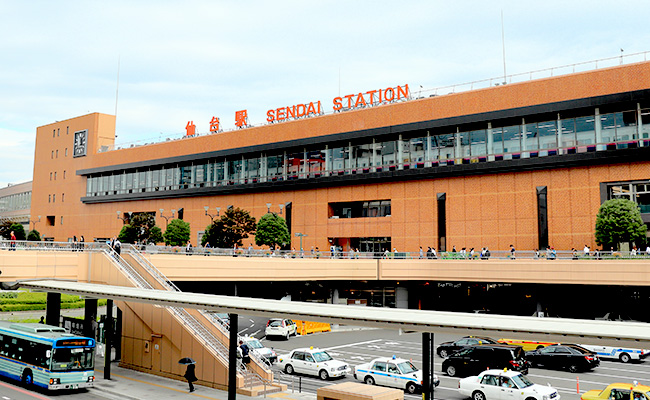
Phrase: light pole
(206,208)
(34,222)
(124,219)
(166,217)
(301,235)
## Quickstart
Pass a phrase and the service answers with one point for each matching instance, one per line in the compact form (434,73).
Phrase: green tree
(177,233)
(143,221)
(128,234)
(271,231)
(155,235)
(19,231)
(234,225)
(34,236)
(619,221)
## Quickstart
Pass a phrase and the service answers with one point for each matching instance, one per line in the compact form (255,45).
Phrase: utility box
(358,391)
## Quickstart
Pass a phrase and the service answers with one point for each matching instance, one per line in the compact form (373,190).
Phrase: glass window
(497,140)
(295,164)
(568,132)
(585,130)
(338,156)
(547,135)
(464,144)
(379,366)
(478,143)
(316,162)
(253,168)
(511,139)
(442,147)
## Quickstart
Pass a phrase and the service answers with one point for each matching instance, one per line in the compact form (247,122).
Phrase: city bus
(46,356)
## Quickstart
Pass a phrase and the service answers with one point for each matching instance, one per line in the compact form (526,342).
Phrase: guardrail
(466,254)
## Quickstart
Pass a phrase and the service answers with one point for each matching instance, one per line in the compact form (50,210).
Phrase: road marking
(353,344)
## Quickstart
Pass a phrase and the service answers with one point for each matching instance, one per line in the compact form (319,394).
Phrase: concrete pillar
(401,297)
(490,142)
(335,296)
(400,153)
(53,309)
(90,318)
(598,127)
(232,357)
(108,336)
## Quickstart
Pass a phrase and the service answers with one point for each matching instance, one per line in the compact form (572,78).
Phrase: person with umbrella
(189,373)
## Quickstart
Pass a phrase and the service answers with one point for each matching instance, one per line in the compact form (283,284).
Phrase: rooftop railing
(438,91)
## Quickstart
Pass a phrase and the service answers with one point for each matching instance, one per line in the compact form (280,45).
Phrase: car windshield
(522,381)
(254,344)
(275,323)
(321,356)
(406,367)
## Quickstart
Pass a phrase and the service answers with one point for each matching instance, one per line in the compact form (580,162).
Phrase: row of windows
(16,201)
(555,137)
(51,198)
(56,174)
(360,209)
(56,153)
(57,131)
(637,192)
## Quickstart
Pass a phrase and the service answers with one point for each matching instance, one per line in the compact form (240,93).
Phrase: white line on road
(353,344)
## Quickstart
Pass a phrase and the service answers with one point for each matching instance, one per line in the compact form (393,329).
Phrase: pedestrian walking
(245,353)
(190,375)
(12,244)
(512,252)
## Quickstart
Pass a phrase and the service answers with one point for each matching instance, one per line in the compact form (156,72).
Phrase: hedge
(26,301)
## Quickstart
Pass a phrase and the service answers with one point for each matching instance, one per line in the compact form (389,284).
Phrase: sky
(192,60)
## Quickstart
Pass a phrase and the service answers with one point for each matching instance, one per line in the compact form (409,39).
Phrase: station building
(525,163)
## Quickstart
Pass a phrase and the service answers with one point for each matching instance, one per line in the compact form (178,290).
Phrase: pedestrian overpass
(163,324)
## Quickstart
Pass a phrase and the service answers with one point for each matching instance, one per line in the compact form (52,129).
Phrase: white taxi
(504,384)
(393,372)
(313,361)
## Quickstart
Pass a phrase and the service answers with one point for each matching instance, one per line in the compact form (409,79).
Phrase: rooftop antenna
(621,56)
(117,88)
(503,43)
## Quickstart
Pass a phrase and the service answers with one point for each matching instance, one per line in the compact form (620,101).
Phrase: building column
(457,149)
(598,127)
(542,218)
(90,318)
(639,124)
(560,145)
(373,167)
(427,153)
(328,161)
(523,135)
(490,142)
(400,153)
(442,221)
(335,296)
(264,169)
(232,357)
(401,297)
(53,309)
(108,337)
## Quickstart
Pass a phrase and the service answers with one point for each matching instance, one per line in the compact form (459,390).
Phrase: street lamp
(124,219)
(166,217)
(301,235)
(281,207)
(268,207)
(206,208)
(34,222)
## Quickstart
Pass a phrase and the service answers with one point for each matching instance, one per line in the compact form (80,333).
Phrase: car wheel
(289,369)
(323,375)
(443,353)
(478,395)
(369,380)
(27,378)
(573,368)
(451,370)
(625,358)
(411,388)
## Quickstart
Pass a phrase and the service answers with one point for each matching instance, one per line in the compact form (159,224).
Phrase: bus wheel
(28,378)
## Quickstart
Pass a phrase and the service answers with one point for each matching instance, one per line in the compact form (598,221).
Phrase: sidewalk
(127,384)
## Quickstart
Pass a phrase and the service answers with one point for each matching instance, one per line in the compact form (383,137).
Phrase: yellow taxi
(527,345)
(619,391)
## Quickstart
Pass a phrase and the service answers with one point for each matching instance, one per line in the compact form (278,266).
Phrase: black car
(476,359)
(448,348)
(563,356)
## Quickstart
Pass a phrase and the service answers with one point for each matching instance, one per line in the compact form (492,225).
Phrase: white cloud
(191,60)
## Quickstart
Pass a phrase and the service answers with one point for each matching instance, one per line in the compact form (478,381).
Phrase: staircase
(203,325)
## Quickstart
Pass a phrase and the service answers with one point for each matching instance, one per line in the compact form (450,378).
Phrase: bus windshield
(72,359)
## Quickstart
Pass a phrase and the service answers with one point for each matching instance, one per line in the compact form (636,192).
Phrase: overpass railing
(459,254)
